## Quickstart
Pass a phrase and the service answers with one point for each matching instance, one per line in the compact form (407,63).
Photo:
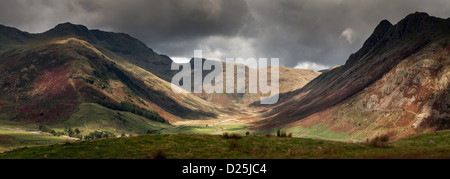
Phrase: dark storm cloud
(313,30)
(169,19)
(307,33)
(170,26)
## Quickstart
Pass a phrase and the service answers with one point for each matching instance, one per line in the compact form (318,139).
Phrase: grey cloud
(310,30)
(295,31)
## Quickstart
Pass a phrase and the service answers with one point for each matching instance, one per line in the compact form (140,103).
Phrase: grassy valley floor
(196,146)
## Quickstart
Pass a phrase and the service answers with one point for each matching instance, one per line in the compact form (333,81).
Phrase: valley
(69,86)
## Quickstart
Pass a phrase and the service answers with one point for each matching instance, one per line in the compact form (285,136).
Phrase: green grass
(314,132)
(318,132)
(88,118)
(190,146)
(217,129)
(10,140)
(91,117)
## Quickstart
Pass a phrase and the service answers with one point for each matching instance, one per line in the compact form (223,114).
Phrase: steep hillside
(12,37)
(46,81)
(110,43)
(397,83)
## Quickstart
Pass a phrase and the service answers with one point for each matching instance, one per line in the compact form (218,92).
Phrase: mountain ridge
(384,50)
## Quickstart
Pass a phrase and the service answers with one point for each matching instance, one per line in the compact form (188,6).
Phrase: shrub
(226,135)
(282,133)
(70,132)
(77,131)
(44,128)
(159,154)
(254,150)
(379,141)
(99,135)
(295,152)
(152,132)
(234,144)
(328,149)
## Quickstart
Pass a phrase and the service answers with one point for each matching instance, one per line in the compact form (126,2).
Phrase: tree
(77,131)
(70,132)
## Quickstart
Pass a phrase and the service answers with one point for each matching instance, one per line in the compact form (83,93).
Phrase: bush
(159,154)
(328,149)
(379,141)
(70,132)
(234,144)
(226,135)
(281,133)
(43,128)
(99,135)
(77,131)
(153,132)
(295,152)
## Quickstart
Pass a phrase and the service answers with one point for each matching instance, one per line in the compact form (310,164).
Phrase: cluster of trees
(282,133)
(99,135)
(76,133)
(67,131)
(43,128)
(135,109)
(72,133)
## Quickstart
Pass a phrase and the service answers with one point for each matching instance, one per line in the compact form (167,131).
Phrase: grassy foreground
(14,139)
(189,146)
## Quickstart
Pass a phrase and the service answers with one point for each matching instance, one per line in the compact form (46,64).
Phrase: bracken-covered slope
(397,83)
(46,77)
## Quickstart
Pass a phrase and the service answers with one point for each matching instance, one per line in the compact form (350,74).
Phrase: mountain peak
(71,27)
(384,24)
(377,36)
(415,20)
(413,23)
(417,15)
(382,28)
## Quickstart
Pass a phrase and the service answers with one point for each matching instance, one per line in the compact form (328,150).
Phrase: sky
(312,34)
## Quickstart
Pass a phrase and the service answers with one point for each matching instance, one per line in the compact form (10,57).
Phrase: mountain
(119,45)
(69,71)
(52,77)
(290,79)
(12,37)
(396,84)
